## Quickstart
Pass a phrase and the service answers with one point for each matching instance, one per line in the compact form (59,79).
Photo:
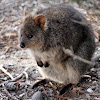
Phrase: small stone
(39,96)
(5,78)
(3,56)
(98,48)
(95,53)
(93,69)
(93,87)
(98,69)
(89,90)
(98,74)
(22,95)
(94,82)
(87,96)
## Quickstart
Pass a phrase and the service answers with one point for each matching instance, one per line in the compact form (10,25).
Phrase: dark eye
(29,36)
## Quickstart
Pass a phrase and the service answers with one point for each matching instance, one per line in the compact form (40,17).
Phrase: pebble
(87,4)
(95,53)
(3,56)
(98,72)
(39,96)
(87,97)
(93,87)
(98,48)
(22,95)
(5,78)
(98,69)
(89,90)
(93,69)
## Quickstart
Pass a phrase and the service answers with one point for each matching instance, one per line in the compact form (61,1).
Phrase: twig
(95,94)
(70,53)
(26,75)
(20,76)
(5,71)
(10,96)
(81,23)
(86,76)
(7,50)
(54,87)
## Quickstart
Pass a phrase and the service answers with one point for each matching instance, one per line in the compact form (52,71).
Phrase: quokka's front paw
(40,63)
(46,64)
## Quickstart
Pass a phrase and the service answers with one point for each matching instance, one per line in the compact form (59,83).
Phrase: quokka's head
(32,31)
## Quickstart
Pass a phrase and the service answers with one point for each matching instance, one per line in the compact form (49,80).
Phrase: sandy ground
(15,60)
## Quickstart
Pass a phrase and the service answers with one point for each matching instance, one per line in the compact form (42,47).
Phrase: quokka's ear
(40,21)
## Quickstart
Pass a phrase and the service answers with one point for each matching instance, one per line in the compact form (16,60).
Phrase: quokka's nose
(22,45)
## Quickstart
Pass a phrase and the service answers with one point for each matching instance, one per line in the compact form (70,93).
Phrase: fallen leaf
(10,35)
(97,35)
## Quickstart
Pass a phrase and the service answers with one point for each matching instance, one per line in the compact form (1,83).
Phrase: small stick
(95,94)
(87,76)
(5,71)
(26,75)
(81,23)
(7,50)
(54,87)
(20,76)
(70,53)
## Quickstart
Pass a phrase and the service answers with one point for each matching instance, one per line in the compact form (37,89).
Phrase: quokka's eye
(29,36)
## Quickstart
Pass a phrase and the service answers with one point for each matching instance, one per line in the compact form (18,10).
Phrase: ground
(14,60)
